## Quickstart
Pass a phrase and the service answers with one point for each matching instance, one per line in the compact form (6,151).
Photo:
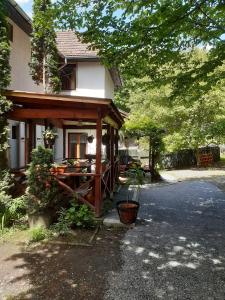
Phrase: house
(83,108)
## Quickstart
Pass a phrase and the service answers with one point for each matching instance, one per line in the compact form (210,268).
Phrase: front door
(77,144)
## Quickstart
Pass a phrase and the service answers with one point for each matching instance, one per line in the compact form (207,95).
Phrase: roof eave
(16,14)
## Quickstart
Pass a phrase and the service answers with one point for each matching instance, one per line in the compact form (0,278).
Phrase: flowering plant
(49,136)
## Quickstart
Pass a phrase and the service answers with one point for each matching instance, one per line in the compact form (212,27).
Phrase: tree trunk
(44,75)
(149,154)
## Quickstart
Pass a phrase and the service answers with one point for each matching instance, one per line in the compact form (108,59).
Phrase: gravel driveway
(178,249)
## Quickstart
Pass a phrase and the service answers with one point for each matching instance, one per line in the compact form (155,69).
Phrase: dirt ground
(52,271)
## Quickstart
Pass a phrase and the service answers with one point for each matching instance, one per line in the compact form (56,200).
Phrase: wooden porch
(72,112)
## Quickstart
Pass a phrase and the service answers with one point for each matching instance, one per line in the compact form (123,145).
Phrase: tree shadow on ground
(64,272)
(177,249)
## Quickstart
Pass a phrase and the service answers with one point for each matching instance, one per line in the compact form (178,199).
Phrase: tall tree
(44,55)
(4,82)
(150,37)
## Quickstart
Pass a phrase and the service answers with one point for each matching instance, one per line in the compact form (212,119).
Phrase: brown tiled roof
(70,46)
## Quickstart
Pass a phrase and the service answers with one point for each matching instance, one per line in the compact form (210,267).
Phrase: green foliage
(141,125)
(5,104)
(11,209)
(44,54)
(38,234)
(42,187)
(77,215)
(150,38)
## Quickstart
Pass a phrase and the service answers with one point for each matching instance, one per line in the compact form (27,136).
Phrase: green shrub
(42,188)
(38,234)
(11,209)
(77,215)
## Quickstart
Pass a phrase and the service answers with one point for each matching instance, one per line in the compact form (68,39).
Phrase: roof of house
(70,46)
(17,15)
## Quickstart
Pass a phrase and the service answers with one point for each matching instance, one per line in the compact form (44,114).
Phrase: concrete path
(177,251)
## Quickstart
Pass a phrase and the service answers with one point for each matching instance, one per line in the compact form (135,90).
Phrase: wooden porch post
(98,192)
(30,139)
(112,161)
(108,145)
(117,143)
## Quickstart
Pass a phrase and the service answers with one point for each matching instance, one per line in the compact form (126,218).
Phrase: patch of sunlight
(178,248)
(145,274)
(170,264)
(175,264)
(126,242)
(148,220)
(139,250)
(216,261)
(193,245)
(146,261)
(153,254)
(171,253)
(198,212)
(191,265)
(160,293)
(207,202)
(182,238)
(187,252)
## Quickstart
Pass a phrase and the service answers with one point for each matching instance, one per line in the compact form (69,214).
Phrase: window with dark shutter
(10,32)
(68,77)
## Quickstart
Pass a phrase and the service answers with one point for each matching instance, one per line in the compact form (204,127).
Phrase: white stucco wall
(19,59)
(92,80)
(58,147)
(109,85)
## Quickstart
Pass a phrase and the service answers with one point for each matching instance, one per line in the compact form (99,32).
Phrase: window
(10,32)
(68,77)
(14,132)
(77,144)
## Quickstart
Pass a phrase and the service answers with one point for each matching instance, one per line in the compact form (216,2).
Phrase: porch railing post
(98,192)
(112,161)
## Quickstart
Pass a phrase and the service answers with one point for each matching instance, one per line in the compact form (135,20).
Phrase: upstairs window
(68,77)
(10,32)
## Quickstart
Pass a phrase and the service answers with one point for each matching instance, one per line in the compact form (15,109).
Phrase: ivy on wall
(5,104)
(44,54)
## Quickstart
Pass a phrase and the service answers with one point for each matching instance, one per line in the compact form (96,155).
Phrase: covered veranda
(74,112)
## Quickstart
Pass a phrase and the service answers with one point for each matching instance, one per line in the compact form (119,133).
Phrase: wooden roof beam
(29,113)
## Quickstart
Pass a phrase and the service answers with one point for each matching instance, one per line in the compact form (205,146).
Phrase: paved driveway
(178,249)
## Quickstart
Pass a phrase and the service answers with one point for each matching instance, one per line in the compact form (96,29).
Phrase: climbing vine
(5,104)
(44,55)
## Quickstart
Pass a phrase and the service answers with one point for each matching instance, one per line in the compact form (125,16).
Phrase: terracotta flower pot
(127,211)
(61,169)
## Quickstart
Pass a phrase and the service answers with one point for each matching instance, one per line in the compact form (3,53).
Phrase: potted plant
(59,168)
(49,137)
(90,139)
(105,139)
(128,209)
(42,188)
